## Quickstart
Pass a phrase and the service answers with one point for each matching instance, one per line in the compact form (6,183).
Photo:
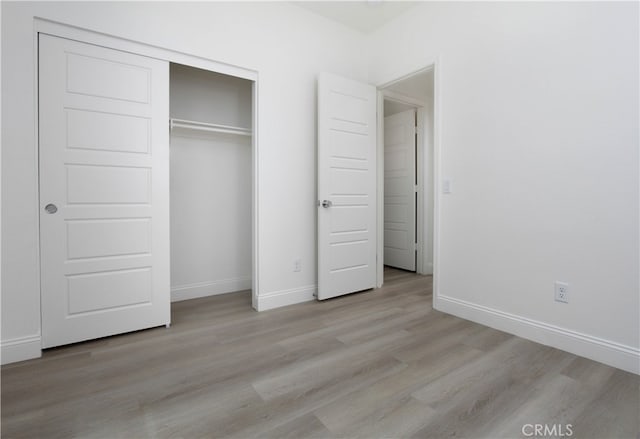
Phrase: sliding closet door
(104,191)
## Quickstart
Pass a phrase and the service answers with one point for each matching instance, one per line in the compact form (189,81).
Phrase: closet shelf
(182,124)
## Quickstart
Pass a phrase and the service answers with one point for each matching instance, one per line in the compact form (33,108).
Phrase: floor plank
(381,363)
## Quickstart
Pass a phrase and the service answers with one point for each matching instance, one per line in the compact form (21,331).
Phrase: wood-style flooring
(378,364)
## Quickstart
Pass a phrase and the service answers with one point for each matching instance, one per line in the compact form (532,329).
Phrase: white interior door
(104,191)
(346,186)
(399,190)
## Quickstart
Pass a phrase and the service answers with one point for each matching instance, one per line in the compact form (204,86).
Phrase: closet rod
(210,127)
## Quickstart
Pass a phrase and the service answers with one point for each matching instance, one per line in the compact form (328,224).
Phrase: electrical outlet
(561,292)
(297,265)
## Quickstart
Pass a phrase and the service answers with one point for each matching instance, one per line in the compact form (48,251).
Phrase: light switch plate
(446,186)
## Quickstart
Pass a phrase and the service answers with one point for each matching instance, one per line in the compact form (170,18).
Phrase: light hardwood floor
(375,364)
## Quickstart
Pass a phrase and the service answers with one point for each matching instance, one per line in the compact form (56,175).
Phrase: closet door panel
(107,184)
(111,237)
(104,192)
(107,78)
(94,130)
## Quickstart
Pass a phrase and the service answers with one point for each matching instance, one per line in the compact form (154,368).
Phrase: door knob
(326,203)
(51,208)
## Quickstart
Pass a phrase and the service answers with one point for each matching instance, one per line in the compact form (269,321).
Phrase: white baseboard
(601,350)
(212,288)
(277,299)
(20,349)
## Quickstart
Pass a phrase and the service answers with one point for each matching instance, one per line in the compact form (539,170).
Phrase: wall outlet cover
(561,290)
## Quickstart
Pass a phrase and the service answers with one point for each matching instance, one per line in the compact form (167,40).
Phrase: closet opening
(210,182)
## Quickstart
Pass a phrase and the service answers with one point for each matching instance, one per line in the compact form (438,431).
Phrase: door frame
(423,198)
(44,26)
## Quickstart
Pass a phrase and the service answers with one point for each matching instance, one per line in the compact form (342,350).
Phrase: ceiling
(363,16)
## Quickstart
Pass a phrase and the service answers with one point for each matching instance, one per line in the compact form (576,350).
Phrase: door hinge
(415,246)
(415,188)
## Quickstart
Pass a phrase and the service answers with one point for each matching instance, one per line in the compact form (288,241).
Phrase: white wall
(393,107)
(539,136)
(204,96)
(287,45)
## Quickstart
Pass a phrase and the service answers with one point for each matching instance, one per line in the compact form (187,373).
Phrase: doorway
(409,218)
(400,186)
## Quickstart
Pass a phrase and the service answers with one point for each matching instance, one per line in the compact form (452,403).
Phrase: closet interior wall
(210,183)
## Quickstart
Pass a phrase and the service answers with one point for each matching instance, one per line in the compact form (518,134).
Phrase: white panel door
(346,186)
(399,190)
(104,191)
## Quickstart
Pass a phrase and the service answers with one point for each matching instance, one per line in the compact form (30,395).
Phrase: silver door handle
(326,203)
(51,208)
